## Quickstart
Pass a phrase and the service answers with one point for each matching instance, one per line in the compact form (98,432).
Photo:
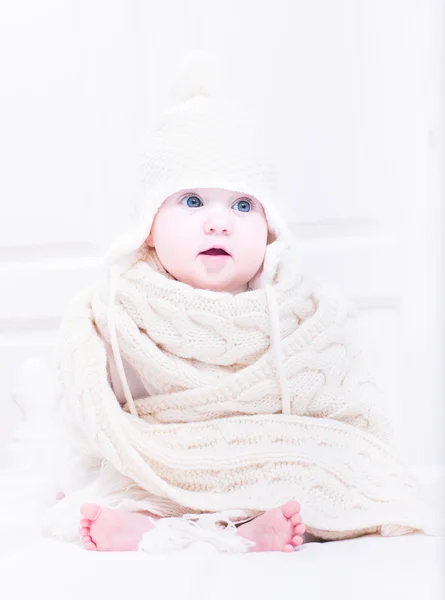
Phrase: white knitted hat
(203,141)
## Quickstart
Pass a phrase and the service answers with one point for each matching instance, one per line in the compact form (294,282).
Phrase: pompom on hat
(203,141)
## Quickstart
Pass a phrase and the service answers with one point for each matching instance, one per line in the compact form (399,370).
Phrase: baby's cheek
(255,241)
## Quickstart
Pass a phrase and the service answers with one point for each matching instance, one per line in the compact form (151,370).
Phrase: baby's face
(210,238)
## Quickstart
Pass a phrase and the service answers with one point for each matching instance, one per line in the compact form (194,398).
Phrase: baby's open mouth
(215,252)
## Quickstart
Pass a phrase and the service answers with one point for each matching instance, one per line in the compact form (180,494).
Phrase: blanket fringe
(178,533)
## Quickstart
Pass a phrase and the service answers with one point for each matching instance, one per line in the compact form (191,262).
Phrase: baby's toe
(288,548)
(85,522)
(90,546)
(290,509)
(297,540)
(84,531)
(300,528)
(296,519)
(90,511)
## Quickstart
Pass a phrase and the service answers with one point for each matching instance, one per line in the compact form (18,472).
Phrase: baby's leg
(278,529)
(108,530)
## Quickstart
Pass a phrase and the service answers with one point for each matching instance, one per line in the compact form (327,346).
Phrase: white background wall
(352,95)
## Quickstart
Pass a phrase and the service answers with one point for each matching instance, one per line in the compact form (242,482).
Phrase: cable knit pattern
(213,439)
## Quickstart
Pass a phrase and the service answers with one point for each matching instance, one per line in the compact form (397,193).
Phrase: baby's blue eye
(192,201)
(243,205)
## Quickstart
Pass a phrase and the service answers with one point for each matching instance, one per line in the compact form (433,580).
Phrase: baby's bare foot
(278,529)
(107,530)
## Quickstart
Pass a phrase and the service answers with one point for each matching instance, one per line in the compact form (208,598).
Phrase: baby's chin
(219,286)
(216,276)
(218,282)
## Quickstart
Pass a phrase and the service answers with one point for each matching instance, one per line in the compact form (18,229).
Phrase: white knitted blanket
(215,438)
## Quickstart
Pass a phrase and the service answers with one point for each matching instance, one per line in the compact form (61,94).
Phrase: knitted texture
(213,438)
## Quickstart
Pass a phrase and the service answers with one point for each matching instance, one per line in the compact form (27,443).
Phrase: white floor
(409,567)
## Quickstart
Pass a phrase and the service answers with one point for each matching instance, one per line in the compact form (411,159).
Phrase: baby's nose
(218,224)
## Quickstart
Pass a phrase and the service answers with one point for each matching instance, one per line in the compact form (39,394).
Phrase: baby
(212,381)
(212,239)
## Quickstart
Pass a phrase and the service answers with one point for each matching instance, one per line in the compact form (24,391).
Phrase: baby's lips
(215,252)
